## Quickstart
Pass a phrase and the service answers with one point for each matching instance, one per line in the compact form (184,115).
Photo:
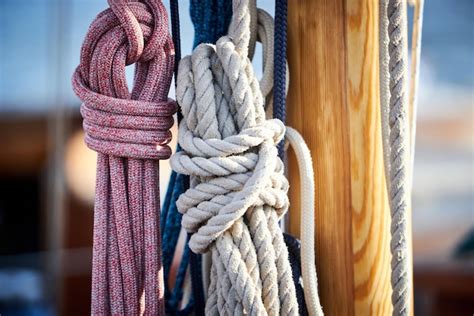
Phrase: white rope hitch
(238,190)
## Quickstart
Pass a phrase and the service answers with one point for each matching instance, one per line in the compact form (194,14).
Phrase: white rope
(396,141)
(307,189)
(308,264)
(238,190)
(303,155)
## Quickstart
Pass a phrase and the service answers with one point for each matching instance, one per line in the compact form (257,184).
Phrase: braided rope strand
(130,131)
(238,191)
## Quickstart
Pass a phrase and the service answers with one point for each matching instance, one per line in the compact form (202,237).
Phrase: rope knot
(228,146)
(238,190)
(133,17)
(236,174)
(116,121)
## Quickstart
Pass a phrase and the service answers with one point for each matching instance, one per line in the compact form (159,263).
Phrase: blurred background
(47,173)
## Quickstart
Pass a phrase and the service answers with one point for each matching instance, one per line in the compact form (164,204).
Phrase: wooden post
(334,103)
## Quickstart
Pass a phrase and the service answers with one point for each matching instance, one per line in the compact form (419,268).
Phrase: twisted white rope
(238,189)
(303,155)
(395,123)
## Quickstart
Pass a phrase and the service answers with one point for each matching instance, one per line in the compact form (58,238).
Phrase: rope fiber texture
(130,132)
(395,127)
(279,90)
(211,19)
(308,253)
(238,190)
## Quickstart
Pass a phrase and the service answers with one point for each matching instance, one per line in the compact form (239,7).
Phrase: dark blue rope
(279,112)
(211,19)
(279,66)
(294,254)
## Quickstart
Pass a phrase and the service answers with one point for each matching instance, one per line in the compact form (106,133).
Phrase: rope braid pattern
(130,132)
(394,103)
(215,25)
(238,191)
(279,90)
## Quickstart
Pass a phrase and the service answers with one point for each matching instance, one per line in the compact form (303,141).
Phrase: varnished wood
(317,108)
(370,209)
(334,103)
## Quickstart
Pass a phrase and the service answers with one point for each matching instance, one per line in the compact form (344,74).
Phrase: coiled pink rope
(130,132)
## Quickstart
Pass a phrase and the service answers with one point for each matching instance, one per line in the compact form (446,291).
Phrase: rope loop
(238,189)
(131,18)
(130,130)
(243,172)
(117,122)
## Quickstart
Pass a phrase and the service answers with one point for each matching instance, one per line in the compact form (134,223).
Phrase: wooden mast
(334,103)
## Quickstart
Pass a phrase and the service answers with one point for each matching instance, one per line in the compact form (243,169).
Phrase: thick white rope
(396,136)
(303,156)
(262,26)
(307,190)
(238,190)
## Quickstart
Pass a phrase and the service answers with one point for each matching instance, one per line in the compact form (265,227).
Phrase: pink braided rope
(130,131)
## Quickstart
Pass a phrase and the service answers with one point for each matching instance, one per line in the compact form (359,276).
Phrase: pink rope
(130,132)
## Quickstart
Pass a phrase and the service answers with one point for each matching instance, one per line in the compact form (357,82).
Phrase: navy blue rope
(279,66)
(294,253)
(279,112)
(211,19)
(170,217)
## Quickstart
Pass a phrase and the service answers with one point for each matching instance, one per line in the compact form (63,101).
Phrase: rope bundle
(238,190)
(130,132)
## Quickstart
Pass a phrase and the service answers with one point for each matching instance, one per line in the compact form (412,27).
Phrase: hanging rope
(279,90)
(238,191)
(170,218)
(395,124)
(308,254)
(211,20)
(130,132)
(309,301)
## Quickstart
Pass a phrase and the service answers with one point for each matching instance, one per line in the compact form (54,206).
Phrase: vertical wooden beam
(317,108)
(370,209)
(334,103)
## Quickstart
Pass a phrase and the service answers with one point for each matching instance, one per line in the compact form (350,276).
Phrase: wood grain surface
(334,103)
(317,108)
(370,210)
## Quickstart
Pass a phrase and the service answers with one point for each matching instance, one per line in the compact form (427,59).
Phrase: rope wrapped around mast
(130,132)
(238,190)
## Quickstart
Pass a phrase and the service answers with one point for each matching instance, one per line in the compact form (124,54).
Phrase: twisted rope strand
(220,97)
(394,102)
(130,131)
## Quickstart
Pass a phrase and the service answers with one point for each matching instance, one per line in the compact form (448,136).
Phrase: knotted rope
(211,19)
(130,132)
(395,127)
(238,191)
(308,267)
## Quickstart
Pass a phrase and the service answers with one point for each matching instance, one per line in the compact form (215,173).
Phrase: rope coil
(130,131)
(238,191)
